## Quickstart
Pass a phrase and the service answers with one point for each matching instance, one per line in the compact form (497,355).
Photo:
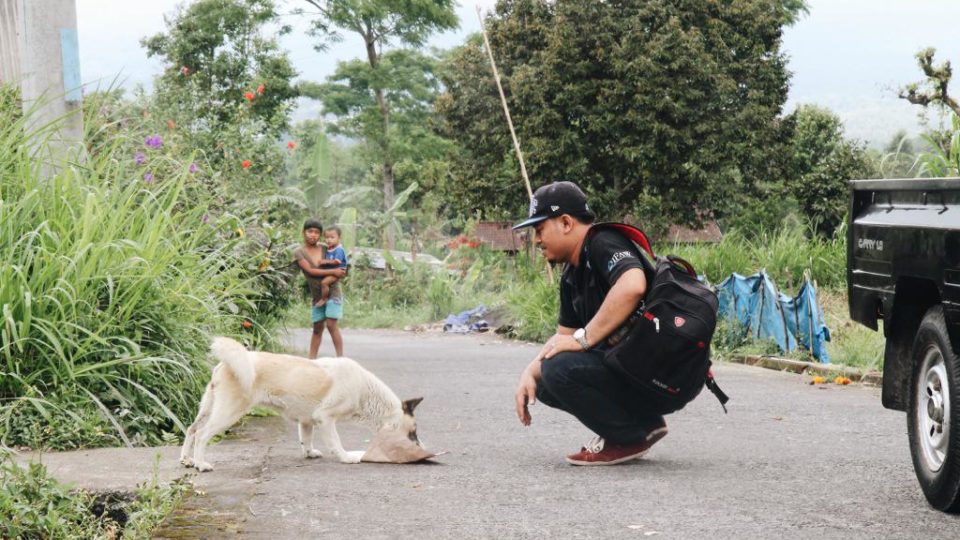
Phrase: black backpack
(664,348)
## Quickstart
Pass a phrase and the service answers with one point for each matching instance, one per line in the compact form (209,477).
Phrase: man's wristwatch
(581,336)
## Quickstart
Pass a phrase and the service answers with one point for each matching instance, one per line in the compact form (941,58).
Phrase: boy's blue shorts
(330,310)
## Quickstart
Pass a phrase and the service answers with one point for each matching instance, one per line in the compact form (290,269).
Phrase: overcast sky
(847,55)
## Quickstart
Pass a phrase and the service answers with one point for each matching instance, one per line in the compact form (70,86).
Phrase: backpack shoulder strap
(636,235)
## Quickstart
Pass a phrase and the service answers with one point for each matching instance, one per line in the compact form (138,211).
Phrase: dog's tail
(237,359)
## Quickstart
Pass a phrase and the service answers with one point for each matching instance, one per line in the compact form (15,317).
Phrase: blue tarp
(467,321)
(759,308)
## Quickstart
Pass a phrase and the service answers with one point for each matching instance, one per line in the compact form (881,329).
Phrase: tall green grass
(109,288)
(785,253)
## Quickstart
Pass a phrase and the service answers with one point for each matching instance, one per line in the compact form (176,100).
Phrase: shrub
(110,284)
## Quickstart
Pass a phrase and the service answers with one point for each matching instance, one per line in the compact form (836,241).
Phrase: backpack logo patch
(679,321)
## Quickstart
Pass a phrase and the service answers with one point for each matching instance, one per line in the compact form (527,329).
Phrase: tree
(322,167)
(935,89)
(934,92)
(653,104)
(226,87)
(378,23)
(349,95)
(822,164)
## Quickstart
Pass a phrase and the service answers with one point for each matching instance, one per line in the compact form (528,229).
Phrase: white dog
(312,393)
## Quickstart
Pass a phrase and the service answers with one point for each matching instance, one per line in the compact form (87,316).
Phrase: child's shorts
(330,310)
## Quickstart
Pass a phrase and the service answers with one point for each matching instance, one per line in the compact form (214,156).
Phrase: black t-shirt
(604,257)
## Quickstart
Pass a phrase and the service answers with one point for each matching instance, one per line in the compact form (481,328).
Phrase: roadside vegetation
(34,505)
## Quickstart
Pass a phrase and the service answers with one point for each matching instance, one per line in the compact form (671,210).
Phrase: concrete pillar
(46,63)
(10,30)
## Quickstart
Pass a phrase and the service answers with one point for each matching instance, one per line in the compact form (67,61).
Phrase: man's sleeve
(611,254)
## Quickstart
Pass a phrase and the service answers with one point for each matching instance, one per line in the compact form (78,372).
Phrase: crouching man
(602,284)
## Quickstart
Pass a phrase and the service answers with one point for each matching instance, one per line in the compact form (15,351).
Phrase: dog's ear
(411,404)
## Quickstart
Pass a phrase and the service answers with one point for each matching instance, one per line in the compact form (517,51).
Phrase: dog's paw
(203,466)
(352,457)
(186,462)
(314,454)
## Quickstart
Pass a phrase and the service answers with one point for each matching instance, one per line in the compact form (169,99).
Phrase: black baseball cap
(554,200)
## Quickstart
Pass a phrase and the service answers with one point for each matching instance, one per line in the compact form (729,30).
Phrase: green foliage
(944,159)
(35,505)
(672,100)
(822,163)
(384,99)
(410,22)
(406,144)
(226,88)
(785,253)
(224,97)
(214,52)
(114,273)
(533,301)
(899,157)
(934,91)
(417,293)
(109,289)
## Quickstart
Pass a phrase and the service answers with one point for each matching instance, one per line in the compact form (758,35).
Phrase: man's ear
(566,223)
(411,404)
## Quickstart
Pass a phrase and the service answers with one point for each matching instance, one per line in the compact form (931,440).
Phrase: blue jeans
(580,384)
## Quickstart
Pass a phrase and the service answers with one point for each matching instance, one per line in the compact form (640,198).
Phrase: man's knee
(318,328)
(331,324)
(557,370)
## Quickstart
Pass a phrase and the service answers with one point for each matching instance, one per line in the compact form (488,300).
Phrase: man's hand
(561,343)
(526,396)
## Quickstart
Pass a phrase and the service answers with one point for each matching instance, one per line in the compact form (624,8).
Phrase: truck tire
(933,415)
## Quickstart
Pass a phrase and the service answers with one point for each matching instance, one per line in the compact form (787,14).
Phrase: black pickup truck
(903,267)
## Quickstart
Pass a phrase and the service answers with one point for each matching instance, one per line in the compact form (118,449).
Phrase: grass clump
(110,285)
(35,505)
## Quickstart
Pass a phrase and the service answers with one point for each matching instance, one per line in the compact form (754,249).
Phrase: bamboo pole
(506,112)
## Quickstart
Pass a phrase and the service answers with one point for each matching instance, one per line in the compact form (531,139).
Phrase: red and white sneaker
(599,452)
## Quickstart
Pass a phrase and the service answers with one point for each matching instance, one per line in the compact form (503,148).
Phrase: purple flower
(140,158)
(205,218)
(154,141)
(194,168)
(148,178)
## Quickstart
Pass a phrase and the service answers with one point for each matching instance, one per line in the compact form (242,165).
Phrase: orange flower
(171,124)
(841,380)
(291,145)
(248,96)
(247,324)
(260,89)
(818,380)
(246,164)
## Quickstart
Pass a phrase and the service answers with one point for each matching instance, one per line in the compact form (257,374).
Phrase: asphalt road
(790,460)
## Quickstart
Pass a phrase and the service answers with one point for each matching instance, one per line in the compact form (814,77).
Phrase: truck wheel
(933,417)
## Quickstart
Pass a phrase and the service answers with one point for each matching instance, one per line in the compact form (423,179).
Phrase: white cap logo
(554,208)
(533,206)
